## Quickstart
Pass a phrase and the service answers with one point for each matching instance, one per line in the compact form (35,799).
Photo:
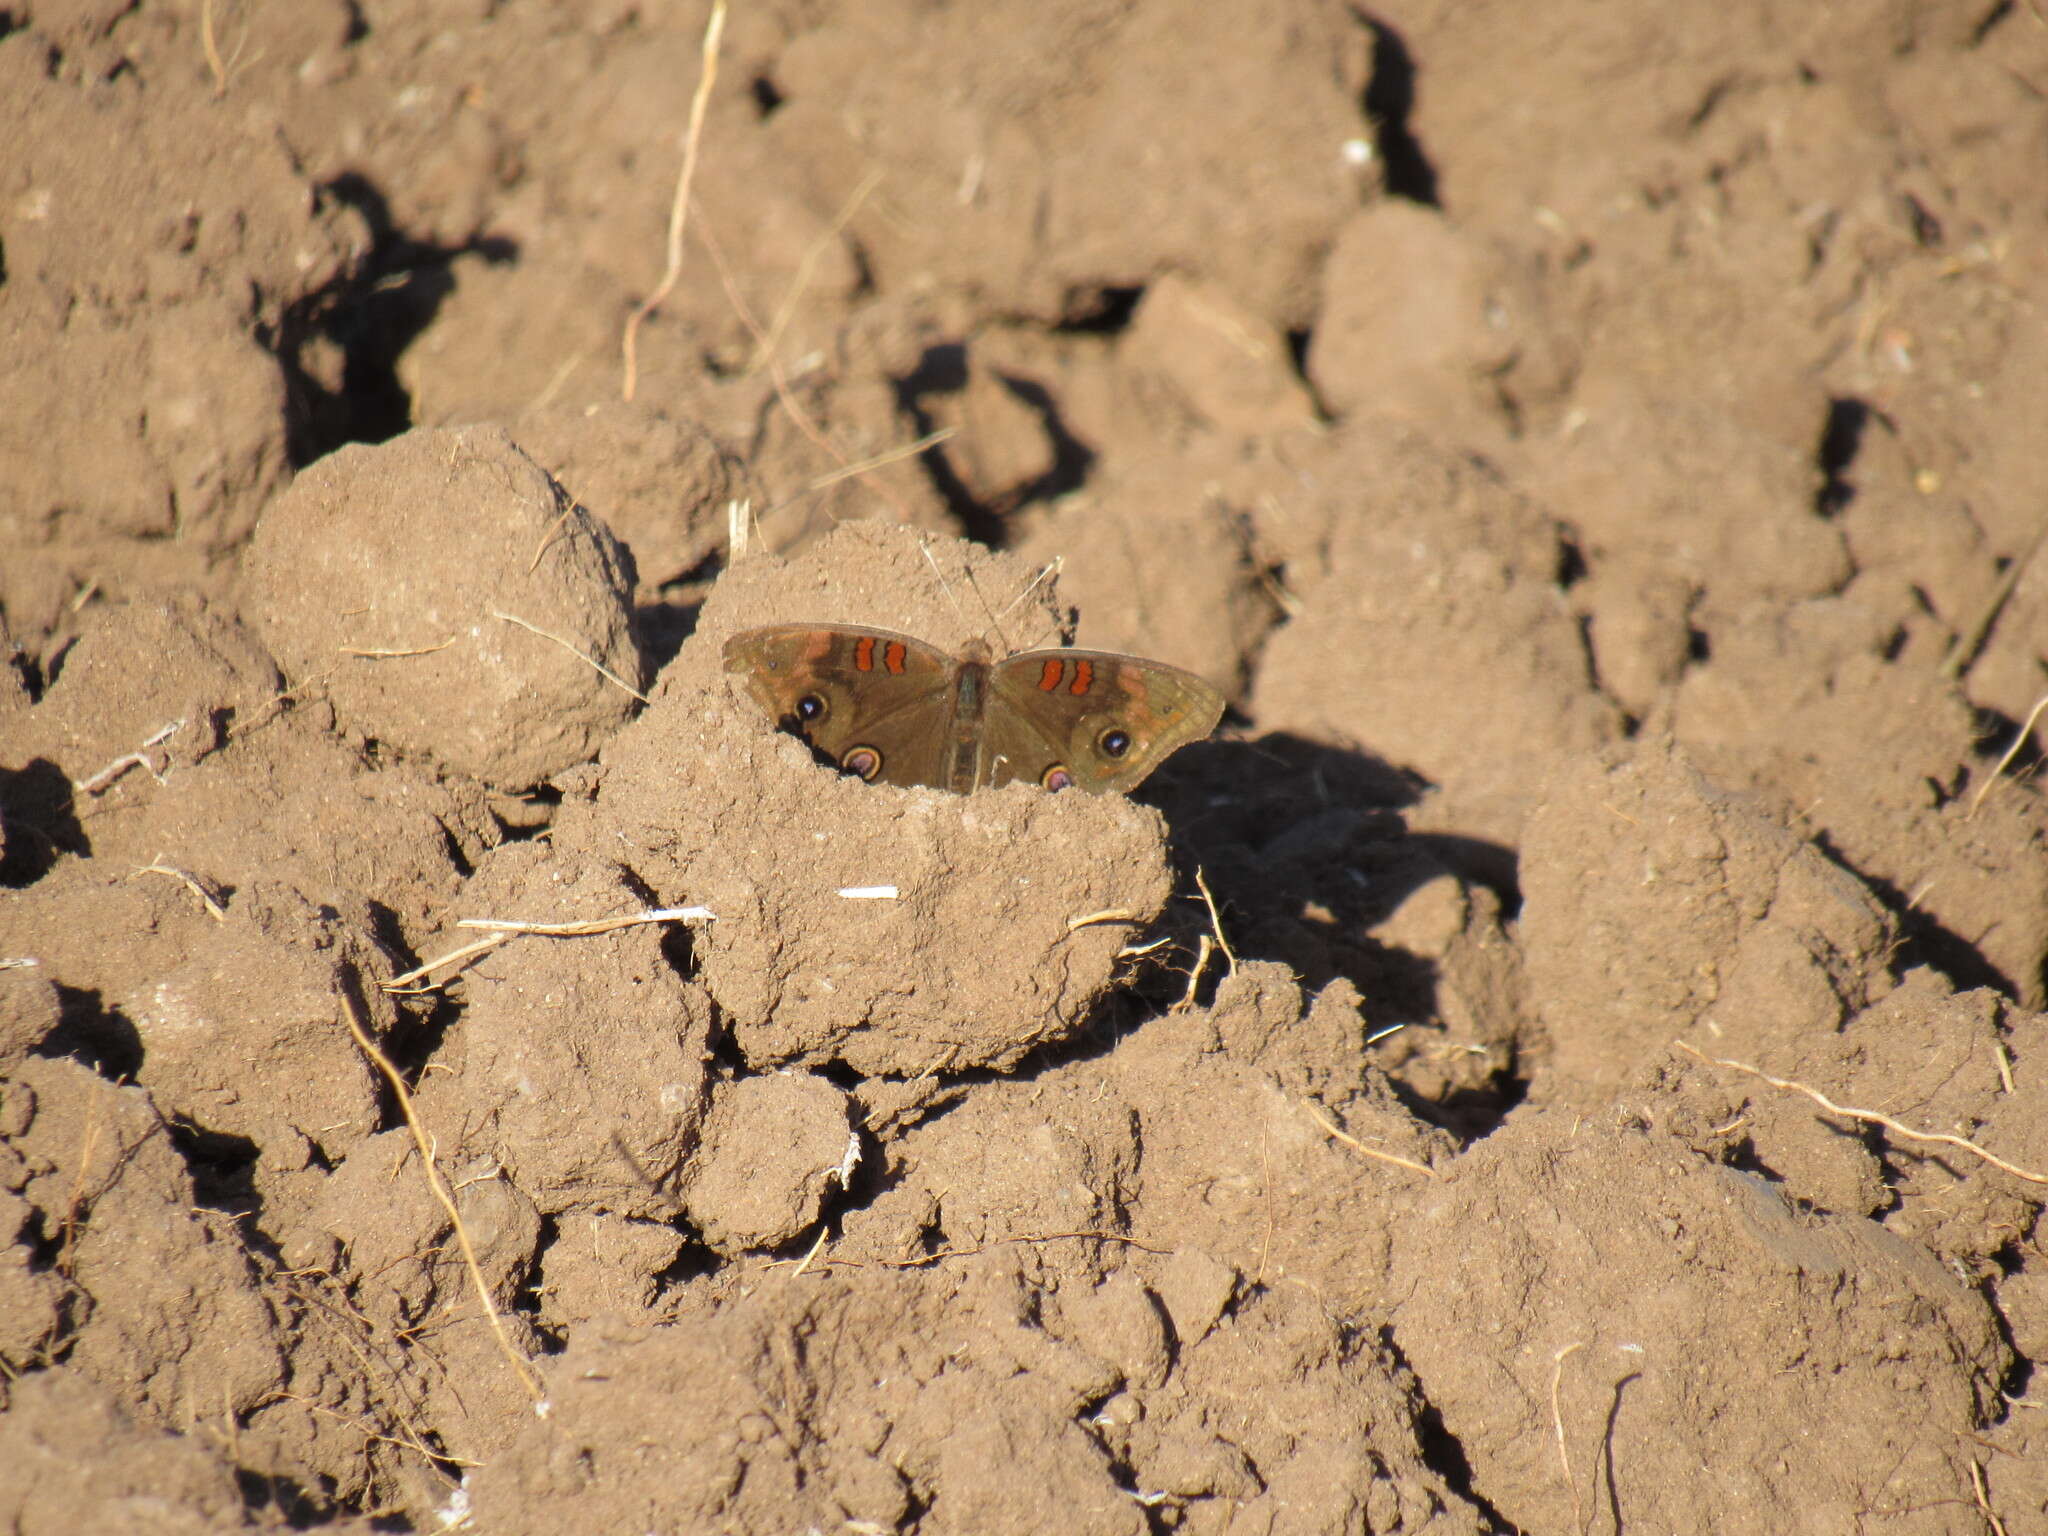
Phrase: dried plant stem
(1564,1459)
(1983,1494)
(1106,915)
(816,1248)
(881,460)
(764,345)
(209,897)
(121,764)
(679,206)
(1968,645)
(1204,948)
(352,1015)
(510,926)
(1215,922)
(2011,752)
(1867,1116)
(739,529)
(1358,1146)
(505,929)
(589,661)
(439,962)
(376,652)
(560,522)
(776,375)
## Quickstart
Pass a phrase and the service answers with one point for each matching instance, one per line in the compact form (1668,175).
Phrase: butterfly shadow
(1305,851)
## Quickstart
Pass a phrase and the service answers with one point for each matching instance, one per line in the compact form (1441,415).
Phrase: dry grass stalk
(561,521)
(1358,1146)
(352,1016)
(1983,1495)
(378,652)
(503,930)
(222,69)
(206,891)
(880,460)
(816,1248)
(2025,732)
(776,374)
(1204,948)
(1867,1116)
(1215,922)
(786,311)
(1967,646)
(589,661)
(405,982)
(1564,1459)
(740,525)
(679,206)
(1106,915)
(121,764)
(510,926)
(75,1198)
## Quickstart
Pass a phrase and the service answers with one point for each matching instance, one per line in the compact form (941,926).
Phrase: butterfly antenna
(1051,568)
(924,548)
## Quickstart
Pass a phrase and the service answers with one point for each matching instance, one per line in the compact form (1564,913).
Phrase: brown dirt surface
(1569,1055)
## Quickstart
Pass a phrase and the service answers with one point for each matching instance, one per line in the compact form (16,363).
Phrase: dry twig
(120,765)
(1204,948)
(352,1016)
(1106,915)
(1867,1116)
(405,982)
(678,212)
(1215,922)
(589,661)
(1967,646)
(1356,1145)
(764,345)
(222,70)
(1564,1459)
(2011,752)
(554,532)
(1984,1498)
(207,893)
(502,930)
(776,374)
(385,652)
(512,925)
(880,460)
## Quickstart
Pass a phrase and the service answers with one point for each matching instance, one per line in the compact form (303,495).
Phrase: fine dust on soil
(1598,449)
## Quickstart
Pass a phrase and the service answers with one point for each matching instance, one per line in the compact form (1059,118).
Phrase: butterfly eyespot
(811,708)
(1114,742)
(862,762)
(1057,777)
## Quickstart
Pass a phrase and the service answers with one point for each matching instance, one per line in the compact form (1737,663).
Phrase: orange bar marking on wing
(892,655)
(1084,677)
(864,653)
(1050,674)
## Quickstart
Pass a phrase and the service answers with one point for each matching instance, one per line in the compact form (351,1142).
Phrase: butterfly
(890,709)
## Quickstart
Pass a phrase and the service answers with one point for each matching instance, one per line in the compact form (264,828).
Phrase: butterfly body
(892,709)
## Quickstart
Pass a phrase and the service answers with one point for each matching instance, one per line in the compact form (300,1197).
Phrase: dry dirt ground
(1600,450)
